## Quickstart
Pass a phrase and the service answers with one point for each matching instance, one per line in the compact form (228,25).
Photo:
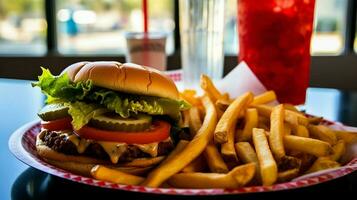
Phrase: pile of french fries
(239,142)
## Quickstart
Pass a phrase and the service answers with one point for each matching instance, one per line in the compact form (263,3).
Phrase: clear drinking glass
(201,33)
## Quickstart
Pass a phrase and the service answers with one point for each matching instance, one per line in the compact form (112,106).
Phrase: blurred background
(97,27)
(56,33)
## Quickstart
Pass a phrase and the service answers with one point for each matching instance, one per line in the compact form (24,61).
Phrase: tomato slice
(159,131)
(58,124)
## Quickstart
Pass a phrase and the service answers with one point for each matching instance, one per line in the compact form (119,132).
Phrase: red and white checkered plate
(22,145)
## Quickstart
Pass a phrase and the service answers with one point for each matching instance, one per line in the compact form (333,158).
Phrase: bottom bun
(83,164)
(85,169)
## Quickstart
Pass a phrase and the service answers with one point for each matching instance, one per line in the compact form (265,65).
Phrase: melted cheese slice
(113,149)
(149,148)
(80,143)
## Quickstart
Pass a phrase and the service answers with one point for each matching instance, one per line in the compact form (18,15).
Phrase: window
(231,29)
(29,38)
(22,27)
(329,27)
(82,25)
(355,42)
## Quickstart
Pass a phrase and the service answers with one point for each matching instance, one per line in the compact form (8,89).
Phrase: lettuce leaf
(61,87)
(82,112)
(124,105)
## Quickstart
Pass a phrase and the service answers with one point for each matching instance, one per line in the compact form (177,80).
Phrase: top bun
(128,77)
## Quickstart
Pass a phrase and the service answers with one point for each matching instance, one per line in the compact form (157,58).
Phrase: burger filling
(69,143)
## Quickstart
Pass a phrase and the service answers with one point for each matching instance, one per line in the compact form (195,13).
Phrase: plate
(22,145)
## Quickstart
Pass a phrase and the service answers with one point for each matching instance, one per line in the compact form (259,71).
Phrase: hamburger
(123,116)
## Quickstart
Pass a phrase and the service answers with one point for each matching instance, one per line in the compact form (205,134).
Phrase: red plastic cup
(274,40)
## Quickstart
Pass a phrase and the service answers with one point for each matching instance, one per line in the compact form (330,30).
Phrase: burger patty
(60,143)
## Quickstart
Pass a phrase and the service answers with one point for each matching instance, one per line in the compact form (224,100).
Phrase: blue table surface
(19,103)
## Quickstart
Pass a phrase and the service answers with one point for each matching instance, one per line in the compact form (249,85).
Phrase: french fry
(315,120)
(287,129)
(246,154)
(302,131)
(292,121)
(189,92)
(288,175)
(347,136)
(213,157)
(267,164)
(219,113)
(225,96)
(227,149)
(238,177)
(263,110)
(251,121)
(142,162)
(190,97)
(107,174)
(307,145)
(264,98)
(338,150)
(222,104)
(277,132)
(179,147)
(291,107)
(138,171)
(214,160)
(195,122)
(193,149)
(243,174)
(322,163)
(185,122)
(290,116)
(197,165)
(230,117)
(302,119)
(323,133)
(294,128)
(208,86)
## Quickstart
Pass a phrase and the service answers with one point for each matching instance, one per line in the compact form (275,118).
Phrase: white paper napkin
(240,80)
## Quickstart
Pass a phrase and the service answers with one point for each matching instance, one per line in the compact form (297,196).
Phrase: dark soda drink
(274,40)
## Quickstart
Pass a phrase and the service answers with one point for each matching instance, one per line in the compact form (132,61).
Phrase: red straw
(145,12)
(146,57)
